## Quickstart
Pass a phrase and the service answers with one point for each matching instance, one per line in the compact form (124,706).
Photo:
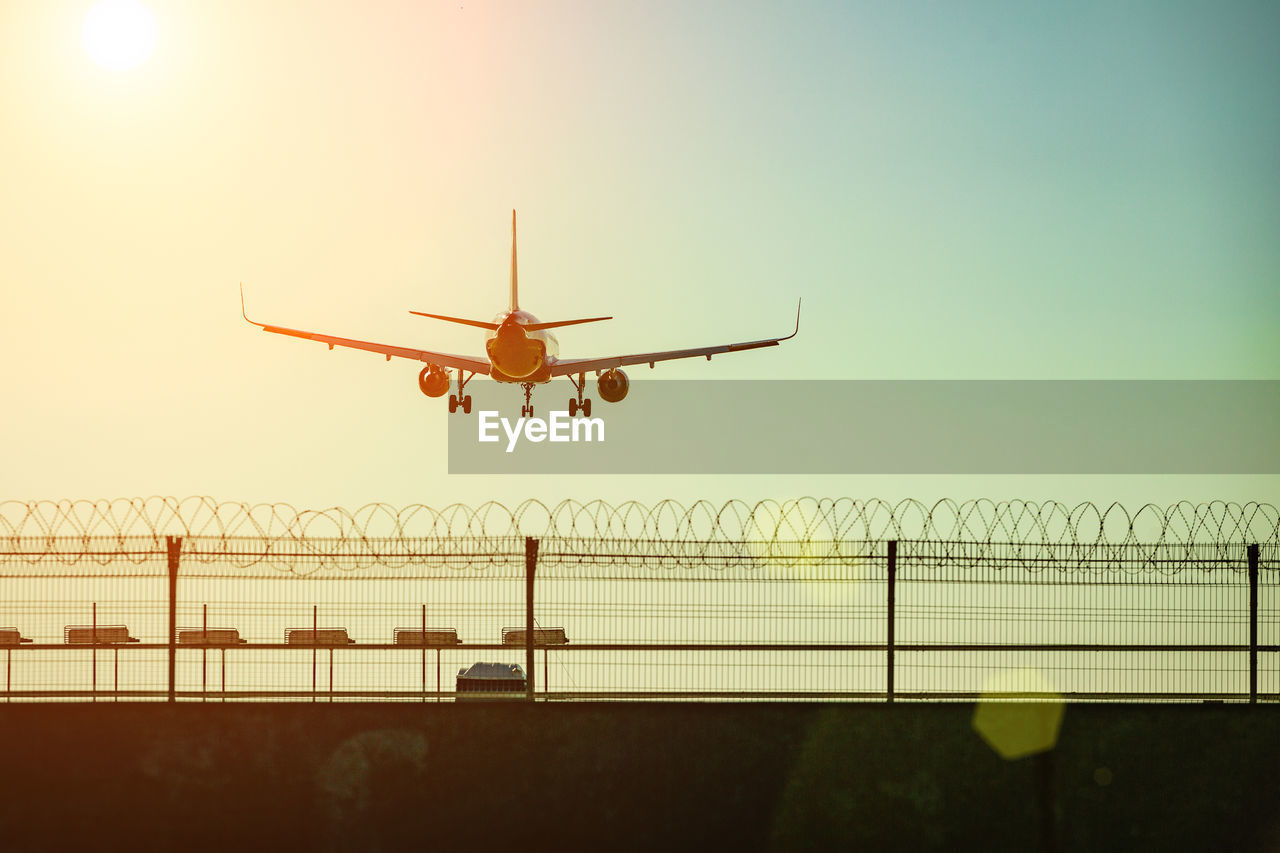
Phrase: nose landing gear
(526,411)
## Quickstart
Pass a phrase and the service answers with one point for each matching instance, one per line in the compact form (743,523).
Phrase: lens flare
(119,34)
(1019,714)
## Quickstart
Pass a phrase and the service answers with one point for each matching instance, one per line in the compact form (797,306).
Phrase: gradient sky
(958,190)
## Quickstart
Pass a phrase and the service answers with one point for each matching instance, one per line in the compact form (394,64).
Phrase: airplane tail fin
(515,305)
(515,302)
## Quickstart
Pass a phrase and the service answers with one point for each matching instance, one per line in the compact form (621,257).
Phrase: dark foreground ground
(631,776)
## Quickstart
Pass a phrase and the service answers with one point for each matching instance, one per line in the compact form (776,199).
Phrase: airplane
(519,349)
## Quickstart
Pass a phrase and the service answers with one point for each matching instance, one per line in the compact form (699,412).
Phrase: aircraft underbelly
(541,375)
(519,358)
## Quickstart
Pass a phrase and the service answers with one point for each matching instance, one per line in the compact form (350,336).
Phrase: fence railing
(325,618)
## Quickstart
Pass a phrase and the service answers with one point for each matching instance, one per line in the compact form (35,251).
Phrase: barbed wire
(804,530)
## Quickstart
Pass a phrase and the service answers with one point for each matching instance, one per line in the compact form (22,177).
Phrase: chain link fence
(160,599)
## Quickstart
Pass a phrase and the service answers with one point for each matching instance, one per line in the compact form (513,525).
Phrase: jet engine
(434,382)
(613,385)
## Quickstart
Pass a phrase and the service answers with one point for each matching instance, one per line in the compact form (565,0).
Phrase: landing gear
(579,405)
(458,400)
(526,411)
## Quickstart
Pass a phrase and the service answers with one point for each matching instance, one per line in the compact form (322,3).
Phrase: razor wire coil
(807,531)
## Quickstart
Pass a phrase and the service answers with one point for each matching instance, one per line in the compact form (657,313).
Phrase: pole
(892,577)
(530,567)
(174,547)
(1253,624)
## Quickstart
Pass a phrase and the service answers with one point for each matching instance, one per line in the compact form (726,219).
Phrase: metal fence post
(530,567)
(1253,624)
(892,575)
(174,547)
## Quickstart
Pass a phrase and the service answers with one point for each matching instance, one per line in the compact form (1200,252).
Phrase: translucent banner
(875,427)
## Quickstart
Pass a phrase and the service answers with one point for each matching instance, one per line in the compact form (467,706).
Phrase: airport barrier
(1046,603)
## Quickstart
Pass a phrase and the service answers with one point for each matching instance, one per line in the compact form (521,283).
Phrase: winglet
(797,331)
(242,312)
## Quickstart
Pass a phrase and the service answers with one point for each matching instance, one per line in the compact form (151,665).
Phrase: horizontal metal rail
(682,647)
(606,695)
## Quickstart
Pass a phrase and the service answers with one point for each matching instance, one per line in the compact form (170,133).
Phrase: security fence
(194,600)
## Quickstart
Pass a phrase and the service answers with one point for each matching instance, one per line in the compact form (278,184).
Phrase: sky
(976,190)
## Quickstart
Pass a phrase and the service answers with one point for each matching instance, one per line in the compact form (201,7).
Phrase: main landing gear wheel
(526,411)
(457,401)
(579,405)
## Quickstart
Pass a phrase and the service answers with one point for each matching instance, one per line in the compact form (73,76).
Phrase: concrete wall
(587,776)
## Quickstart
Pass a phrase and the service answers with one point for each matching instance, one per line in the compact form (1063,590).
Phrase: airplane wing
(569,366)
(443,359)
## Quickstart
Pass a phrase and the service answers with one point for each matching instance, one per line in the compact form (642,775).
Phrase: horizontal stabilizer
(537,327)
(479,324)
(528,327)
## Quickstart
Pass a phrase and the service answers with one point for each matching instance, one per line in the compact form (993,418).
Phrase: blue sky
(957,190)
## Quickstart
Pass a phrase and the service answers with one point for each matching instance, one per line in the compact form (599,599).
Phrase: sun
(119,34)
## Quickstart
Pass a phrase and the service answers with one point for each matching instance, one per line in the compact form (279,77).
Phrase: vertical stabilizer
(515,304)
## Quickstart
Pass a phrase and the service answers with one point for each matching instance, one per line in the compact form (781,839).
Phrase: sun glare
(119,34)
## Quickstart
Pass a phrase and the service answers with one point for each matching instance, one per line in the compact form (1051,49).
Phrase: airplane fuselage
(518,354)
